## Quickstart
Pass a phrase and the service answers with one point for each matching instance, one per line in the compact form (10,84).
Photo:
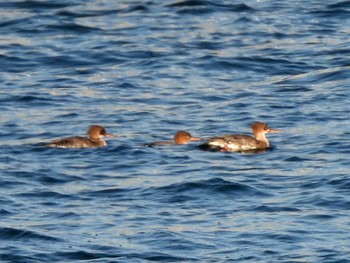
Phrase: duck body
(159,143)
(241,142)
(236,143)
(96,134)
(77,142)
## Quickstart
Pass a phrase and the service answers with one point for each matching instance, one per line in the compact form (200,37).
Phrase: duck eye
(103,132)
(266,128)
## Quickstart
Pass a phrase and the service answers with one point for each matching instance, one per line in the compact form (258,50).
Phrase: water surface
(145,69)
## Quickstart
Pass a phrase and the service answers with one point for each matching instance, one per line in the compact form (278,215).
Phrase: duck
(95,139)
(242,142)
(180,137)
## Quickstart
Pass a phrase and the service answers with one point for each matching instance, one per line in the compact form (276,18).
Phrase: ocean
(144,70)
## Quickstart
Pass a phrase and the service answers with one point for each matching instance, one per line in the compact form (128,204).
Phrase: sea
(144,70)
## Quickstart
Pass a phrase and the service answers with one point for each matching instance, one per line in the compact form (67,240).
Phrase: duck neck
(262,138)
(97,140)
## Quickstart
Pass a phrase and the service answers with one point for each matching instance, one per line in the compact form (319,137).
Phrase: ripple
(190,191)
(8,233)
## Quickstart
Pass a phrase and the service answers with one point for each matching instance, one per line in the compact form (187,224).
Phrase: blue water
(145,69)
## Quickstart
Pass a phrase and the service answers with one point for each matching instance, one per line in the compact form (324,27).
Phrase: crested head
(183,137)
(96,132)
(260,127)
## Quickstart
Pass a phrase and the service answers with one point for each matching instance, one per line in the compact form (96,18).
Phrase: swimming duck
(240,142)
(95,133)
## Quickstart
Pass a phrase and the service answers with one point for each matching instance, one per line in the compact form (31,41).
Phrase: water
(145,69)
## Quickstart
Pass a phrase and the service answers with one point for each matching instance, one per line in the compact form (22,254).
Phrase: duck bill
(272,130)
(110,135)
(195,139)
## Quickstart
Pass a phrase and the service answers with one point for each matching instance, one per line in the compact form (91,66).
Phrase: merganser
(181,137)
(96,134)
(242,143)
